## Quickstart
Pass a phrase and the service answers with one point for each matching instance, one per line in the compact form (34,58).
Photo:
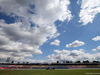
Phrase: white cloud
(96,49)
(78,1)
(46,11)
(19,39)
(89,9)
(97,38)
(49,11)
(74,55)
(76,43)
(56,42)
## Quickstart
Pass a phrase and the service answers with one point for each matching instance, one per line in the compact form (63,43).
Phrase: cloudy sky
(49,30)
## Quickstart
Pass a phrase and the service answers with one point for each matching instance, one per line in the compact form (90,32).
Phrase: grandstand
(49,66)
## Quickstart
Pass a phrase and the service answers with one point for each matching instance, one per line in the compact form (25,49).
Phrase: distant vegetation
(58,62)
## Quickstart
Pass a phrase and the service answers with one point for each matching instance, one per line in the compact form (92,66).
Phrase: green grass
(49,72)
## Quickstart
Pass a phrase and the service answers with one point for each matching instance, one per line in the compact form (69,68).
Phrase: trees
(57,62)
(86,61)
(78,62)
(67,62)
(12,62)
(8,60)
(95,62)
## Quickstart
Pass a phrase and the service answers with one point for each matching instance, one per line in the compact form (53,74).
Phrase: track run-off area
(52,72)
